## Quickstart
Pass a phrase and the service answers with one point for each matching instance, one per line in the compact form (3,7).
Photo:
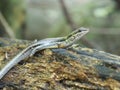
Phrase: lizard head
(80,32)
(76,35)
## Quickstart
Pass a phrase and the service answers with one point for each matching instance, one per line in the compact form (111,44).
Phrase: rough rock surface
(75,68)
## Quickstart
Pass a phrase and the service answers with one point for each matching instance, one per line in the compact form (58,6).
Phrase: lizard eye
(79,30)
(83,29)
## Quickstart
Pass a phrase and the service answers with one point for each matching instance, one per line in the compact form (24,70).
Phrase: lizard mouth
(84,29)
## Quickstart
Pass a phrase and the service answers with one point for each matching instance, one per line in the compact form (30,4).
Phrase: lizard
(59,42)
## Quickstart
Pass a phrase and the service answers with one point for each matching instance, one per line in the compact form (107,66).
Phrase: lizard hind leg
(41,47)
(34,51)
(38,48)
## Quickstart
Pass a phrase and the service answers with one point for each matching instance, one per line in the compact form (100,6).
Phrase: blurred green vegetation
(14,13)
(45,18)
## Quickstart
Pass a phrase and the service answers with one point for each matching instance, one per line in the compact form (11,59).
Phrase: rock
(74,68)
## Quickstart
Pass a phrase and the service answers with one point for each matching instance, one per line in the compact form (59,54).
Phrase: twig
(67,16)
(6,26)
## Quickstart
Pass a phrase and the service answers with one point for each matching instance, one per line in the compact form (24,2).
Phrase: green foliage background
(37,19)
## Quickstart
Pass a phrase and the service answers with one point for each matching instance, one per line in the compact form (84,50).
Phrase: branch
(6,26)
(67,16)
